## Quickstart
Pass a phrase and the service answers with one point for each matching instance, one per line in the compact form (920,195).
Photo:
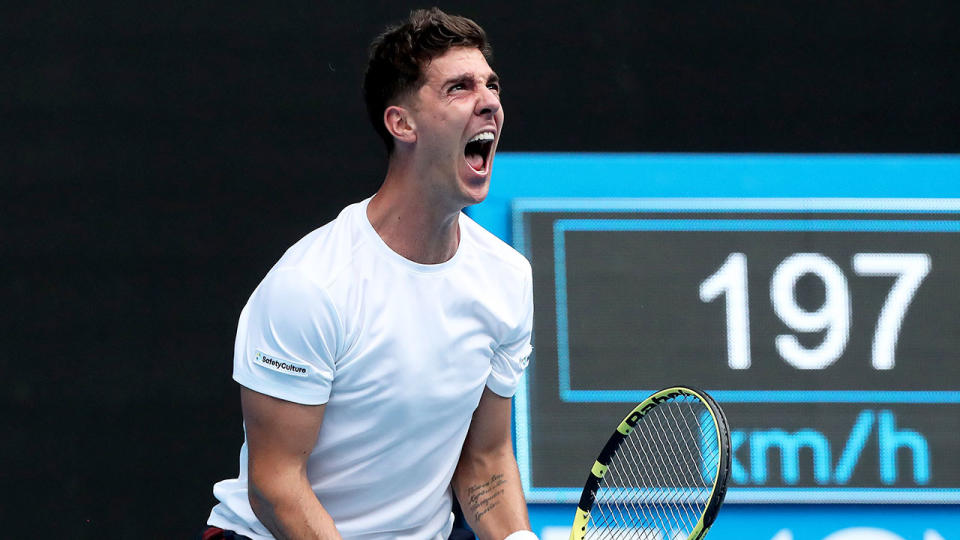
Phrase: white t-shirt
(399,351)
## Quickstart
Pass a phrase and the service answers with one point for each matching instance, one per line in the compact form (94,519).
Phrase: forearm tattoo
(481,498)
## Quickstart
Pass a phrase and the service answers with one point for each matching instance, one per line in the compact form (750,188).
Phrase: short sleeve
(287,338)
(511,357)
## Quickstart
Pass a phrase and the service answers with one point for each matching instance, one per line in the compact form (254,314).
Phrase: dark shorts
(461,531)
(215,533)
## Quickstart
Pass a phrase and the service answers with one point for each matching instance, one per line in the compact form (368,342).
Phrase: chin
(474,185)
(475,193)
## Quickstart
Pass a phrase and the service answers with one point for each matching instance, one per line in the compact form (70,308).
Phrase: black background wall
(157,158)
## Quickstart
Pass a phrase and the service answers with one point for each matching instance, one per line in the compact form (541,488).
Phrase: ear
(400,124)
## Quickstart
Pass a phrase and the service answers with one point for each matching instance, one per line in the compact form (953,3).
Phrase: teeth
(485,136)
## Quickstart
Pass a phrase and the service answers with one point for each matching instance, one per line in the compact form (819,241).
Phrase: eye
(494,87)
(455,87)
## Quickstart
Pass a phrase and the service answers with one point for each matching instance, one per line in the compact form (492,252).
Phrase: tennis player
(378,357)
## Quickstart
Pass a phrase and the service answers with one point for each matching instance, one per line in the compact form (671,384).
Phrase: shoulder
(303,281)
(326,252)
(488,246)
(294,300)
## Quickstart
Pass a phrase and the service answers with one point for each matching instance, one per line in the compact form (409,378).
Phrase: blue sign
(818,288)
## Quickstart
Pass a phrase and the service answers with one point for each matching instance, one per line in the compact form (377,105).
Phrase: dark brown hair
(399,55)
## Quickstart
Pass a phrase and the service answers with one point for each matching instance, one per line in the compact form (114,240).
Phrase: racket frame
(601,465)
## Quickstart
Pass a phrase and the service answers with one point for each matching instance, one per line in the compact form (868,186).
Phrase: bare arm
(280,437)
(487,481)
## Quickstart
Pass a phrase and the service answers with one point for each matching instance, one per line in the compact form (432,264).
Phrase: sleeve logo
(280,366)
(525,357)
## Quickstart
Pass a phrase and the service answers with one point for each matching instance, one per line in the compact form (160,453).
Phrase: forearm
(489,490)
(292,513)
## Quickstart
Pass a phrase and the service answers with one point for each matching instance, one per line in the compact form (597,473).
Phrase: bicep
(280,435)
(490,426)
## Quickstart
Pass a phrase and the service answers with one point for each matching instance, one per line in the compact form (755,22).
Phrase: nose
(488,102)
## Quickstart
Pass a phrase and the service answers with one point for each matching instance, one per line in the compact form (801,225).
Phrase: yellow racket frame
(600,466)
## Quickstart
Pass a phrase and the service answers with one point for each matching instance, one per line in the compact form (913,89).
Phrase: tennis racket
(662,474)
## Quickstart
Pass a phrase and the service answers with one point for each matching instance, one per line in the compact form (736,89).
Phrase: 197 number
(832,318)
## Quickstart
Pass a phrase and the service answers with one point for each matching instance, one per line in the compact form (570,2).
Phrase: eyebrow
(467,78)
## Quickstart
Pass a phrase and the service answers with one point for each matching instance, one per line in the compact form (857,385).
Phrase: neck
(415,222)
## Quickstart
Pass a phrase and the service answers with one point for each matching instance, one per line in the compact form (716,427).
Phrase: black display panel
(828,334)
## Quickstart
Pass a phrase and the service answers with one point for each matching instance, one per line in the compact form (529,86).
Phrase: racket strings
(658,467)
(646,519)
(670,478)
(660,479)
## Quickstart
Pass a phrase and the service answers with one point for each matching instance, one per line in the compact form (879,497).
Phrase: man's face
(457,116)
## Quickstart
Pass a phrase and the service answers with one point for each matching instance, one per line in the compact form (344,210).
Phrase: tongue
(475,161)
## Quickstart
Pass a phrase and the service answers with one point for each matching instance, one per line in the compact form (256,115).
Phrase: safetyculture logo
(280,366)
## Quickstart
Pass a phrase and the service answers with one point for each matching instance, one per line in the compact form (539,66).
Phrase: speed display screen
(828,331)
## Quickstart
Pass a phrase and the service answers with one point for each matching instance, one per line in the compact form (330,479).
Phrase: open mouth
(477,151)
